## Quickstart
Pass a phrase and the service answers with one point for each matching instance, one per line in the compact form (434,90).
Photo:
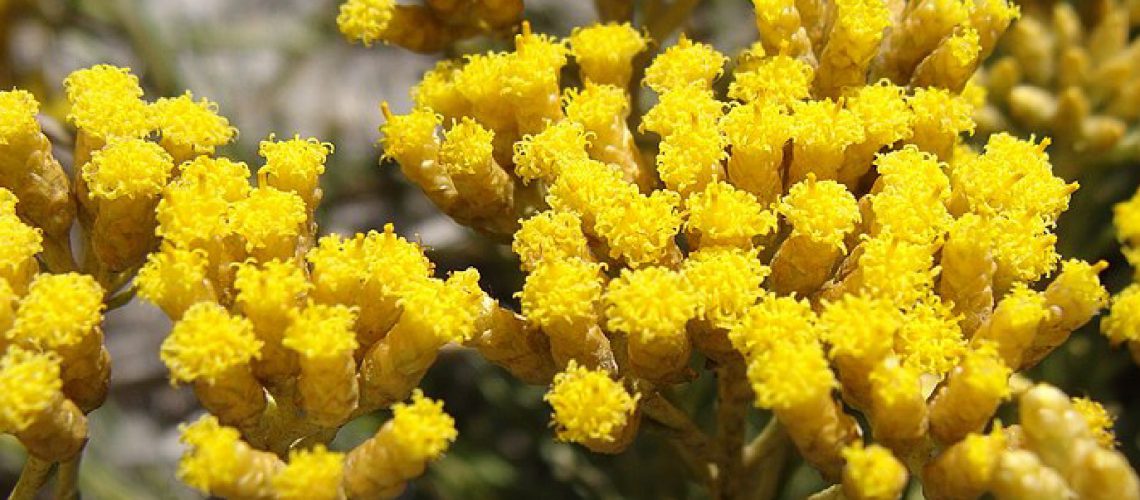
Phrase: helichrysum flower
(59,311)
(295,165)
(684,64)
(421,428)
(311,474)
(364,20)
(541,155)
(772,320)
(778,80)
(589,405)
(190,127)
(269,220)
(127,168)
(18,255)
(218,462)
(604,52)
(566,291)
(550,236)
(29,385)
(1099,420)
(174,279)
(725,283)
(723,215)
(106,101)
(872,473)
(649,303)
(207,342)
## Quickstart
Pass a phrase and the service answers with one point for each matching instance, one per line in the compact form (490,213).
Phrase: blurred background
(280,67)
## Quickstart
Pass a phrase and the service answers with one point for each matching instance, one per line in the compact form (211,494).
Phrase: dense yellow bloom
(859,327)
(586,187)
(364,20)
(1123,321)
(29,384)
(207,342)
(790,374)
(60,310)
(18,110)
(589,405)
(640,229)
(778,79)
(685,64)
(824,211)
(883,110)
(550,236)
(912,203)
(689,161)
(294,165)
(439,92)
(772,320)
(269,221)
(853,42)
(219,462)
(191,214)
(267,291)
(929,339)
(975,388)
(562,291)
(421,428)
(722,215)
(405,137)
(226,178)
(106,101)
(1012,176)
(1099,420)
(192,125)
(939,117)
(1126,218)
(466,147)
(820,132)
(174,278)
(18,253)
(321,331)
(872,473)
(595,106)
(604,52)
(130,168)
(649,303)
(445,310)
(683,109)
(726,282)
(313,474)
(541,155)
(896,270)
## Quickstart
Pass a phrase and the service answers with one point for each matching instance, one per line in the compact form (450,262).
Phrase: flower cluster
(426,28)
(823,235)
(1068,70)
(1122,325)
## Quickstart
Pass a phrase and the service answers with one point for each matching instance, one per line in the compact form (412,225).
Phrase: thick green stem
(67,479)
(32,478)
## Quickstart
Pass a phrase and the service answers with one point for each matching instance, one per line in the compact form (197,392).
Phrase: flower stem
(32,477)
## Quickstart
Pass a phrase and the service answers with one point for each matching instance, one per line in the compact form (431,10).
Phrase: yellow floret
(683,109)
(550,236)
(364,21)
(825,211)
(912,203)
(29,383)
(774,319)
(689,161)
(725,216)
(778,79)
(466,147)
(872,473)
(984,372)
(21,243)
(1012,176)
(321,331)
(445,310)
(207,342)
(929,339)
(585,187)
(597,107)
(1099,420)
(726,282)
(313,474)
(1126,217)
(896,270)
(542,155)
(18,110)
(265,290)
(195,125)
(438,91)
(106,101)
(1123,321)
(131,168)
(267,216)
(651,302)
(223,177)
(8,202)
(1023,246)
(60,310)
(684,64)
(882,109)
(760,126)
(825,123)
(859,326)
(212,458)
(404,136)
(421,428)
(294,164)
(565,291)
(605,51)
(939,115)
(640,229)
(190,214)
(394,263)
(589,405)
(790,374)
(173,277)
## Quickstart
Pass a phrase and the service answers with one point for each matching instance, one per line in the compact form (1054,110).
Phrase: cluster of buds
(431,27)
(1122,325)
(286,337)
(1069,70)
(823,237)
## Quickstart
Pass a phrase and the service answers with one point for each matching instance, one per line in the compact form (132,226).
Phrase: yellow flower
(421,428)
(18,253)
(689,161)
(445,310)
(364,21)
(790,374)
(640,229)
(589,405)
(60,310)
(565,291)
(106,101)
(131,168)
(212,459)
(192,125)
(18,110)
(650,302)
(294,165)
(321,331)
(541,155)
(1123,321)
(722,215)
(29,384)
(684,64)
(778,79)
(859,327)
(882,108)
(726,282)
(550,236)
(872,473)
(824,211)
(269,221)
(1012,176)
(929,339)
(774,319)
(174,279)
(1099,420)
(596,106)
(207,342)
(683,109)
(313,474)
(605,51)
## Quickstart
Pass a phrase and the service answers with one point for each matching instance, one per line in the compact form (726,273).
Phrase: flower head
(824,211)
(589,405)
(128,167)
(726,282)
(650,302)
(106,101)
(364,21)
(723,215)
(18,110)
(321,331)
(195,125)
(421,428)
(562,291)
(550,236)
(29,383)
(294,165)
(60,310)
(211,458)
(872,473)
(684,64)
(314,474)
(207,342)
